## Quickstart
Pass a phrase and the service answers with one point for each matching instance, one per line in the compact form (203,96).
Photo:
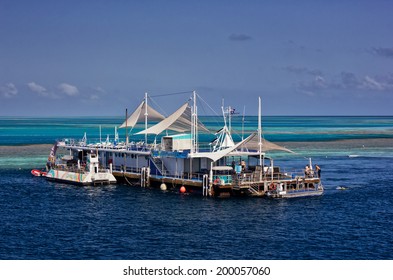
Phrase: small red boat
(38,173)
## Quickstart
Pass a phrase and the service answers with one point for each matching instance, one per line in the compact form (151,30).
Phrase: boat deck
(239,186)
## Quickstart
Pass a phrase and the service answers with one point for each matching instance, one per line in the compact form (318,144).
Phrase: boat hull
(80,178)
(295,193)
(38,173)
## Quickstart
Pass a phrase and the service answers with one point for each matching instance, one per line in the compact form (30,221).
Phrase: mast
(126,128)
(193,130)
(196,123)
(260,131)
(244,112)
(229,118)
(100,135)
(146,114)
(224,115)
(194,126)
(116,136)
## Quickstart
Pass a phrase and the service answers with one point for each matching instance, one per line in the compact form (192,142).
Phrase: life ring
(272,186)
(217,181)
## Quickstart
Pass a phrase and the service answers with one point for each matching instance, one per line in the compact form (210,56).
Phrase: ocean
(43,220)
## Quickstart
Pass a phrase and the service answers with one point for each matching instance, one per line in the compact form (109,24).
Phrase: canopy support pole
(146,114)
(126,128)
(260,137)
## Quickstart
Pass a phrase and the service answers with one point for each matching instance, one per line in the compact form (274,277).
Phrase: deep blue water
(47,220)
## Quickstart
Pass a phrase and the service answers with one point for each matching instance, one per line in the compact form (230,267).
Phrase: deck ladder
(145,174)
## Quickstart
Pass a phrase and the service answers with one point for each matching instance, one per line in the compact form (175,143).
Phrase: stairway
(253,189)
(159,165)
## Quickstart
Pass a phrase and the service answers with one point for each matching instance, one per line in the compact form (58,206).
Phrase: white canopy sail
(179,121)
(139,115)
(214,156)
(253,144)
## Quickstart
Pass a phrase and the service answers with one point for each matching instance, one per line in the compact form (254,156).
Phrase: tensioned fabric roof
(214,156)
(179,121)
(253,144)
(139,115)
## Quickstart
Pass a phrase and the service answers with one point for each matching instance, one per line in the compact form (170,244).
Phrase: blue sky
(76,58)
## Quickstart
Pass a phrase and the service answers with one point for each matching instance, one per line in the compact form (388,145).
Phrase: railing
(75,169)
(132,146)
(258,176)
(122,168)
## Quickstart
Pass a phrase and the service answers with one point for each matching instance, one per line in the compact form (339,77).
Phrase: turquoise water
(18,131)
(48,220)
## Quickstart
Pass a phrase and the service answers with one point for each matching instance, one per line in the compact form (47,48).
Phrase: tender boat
(38,173)
(289,189)
(68,171)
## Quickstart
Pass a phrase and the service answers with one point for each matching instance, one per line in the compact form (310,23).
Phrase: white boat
(66,170)
(301,188)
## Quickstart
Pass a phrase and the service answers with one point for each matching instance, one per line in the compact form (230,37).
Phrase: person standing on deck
(318,169)
(307,171)
(243,164)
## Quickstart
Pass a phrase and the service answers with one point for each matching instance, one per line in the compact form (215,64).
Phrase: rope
(128,182)
(168,94)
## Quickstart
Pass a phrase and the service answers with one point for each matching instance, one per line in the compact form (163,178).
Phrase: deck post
(211,175)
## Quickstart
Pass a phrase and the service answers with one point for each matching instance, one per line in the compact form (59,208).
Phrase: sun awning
(253,144)
(139,115)
(214,156)
(179,121)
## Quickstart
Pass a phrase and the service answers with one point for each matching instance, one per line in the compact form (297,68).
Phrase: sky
(97,58)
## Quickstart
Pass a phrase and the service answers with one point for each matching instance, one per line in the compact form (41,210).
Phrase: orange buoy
(182,189)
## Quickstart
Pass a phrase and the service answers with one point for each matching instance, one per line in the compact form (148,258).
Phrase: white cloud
(94,97)
(370,83)
(310,87)
(9,90)
(320,82)
(68,89)
(348,81)
(377,83)
(40,90)
(100,90)
(386,52)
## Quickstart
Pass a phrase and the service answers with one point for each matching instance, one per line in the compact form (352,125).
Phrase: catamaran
(70,169)
(179,160)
